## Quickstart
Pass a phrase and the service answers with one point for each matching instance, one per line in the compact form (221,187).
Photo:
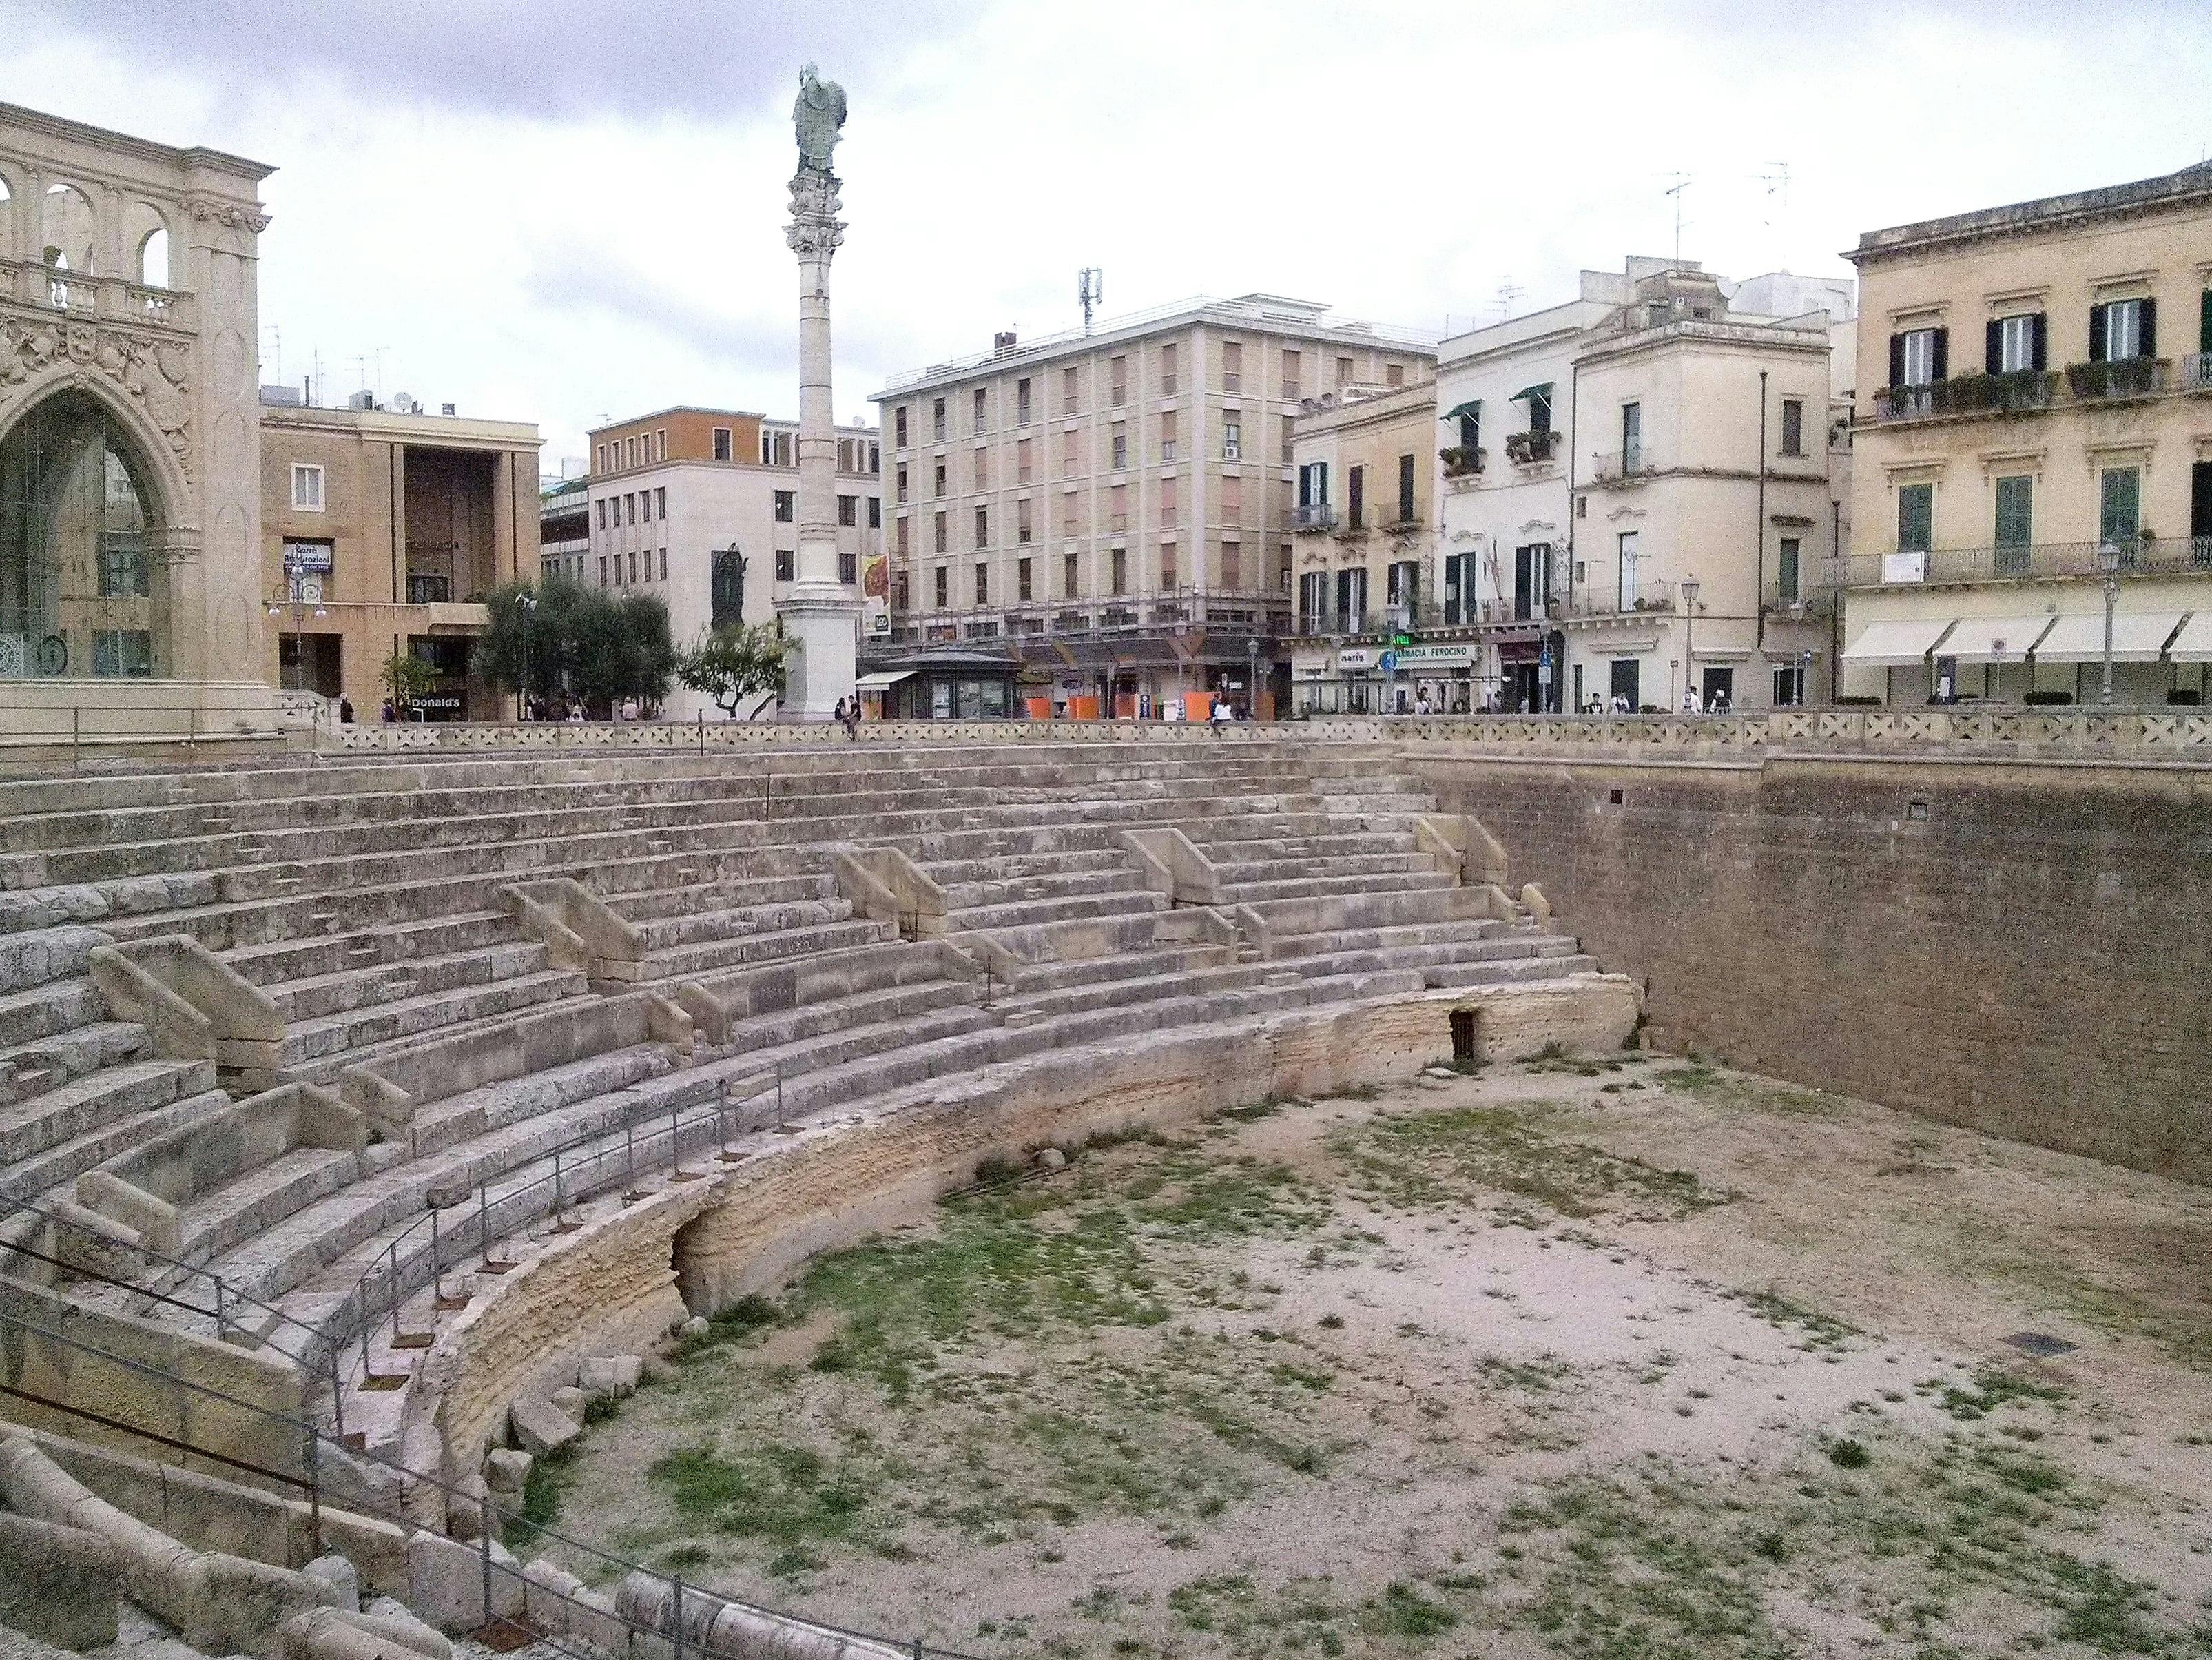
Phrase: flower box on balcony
(1526,449)
(1463,460)
(2130,377)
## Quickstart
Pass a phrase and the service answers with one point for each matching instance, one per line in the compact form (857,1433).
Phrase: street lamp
(1252,677)
(528,602)
(2108,561)
(1689,634)
(301,605)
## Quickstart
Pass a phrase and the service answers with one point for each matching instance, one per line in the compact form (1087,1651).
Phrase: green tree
(737,663)
(562,640)
(406,676)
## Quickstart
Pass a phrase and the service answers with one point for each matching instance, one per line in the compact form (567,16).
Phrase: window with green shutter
(2015,523)
(1915,518)
(2119,506)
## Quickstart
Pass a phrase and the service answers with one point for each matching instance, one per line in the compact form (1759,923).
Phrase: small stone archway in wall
(98,578)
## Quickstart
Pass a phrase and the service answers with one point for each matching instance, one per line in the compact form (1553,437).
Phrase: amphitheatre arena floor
(1621,1357)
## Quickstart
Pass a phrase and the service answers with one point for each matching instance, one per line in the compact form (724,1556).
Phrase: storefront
(1437,679)
(942,682)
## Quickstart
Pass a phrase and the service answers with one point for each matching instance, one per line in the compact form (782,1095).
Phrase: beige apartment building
(383,529)
(130,588)
(2040,435)
(699,507)
(1363,548)
(1115,506)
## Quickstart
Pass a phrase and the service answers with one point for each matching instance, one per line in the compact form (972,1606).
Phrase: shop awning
(1472,406)
(1995,639)
(2137,637)
(881,682)
(1542,389)
(1898,644)
(2193,643)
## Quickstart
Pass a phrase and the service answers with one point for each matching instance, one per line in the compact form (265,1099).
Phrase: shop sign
(1355,657)
(1436,657)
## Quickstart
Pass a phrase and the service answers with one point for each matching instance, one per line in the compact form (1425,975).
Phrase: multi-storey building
(383,529)
(1363,552)
(1115,506)
(1637,489)
(701,507)
(2040,439)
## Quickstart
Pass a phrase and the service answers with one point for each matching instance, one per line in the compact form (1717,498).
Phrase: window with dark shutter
(1993,333)
(2096,334)
(2204,321)
(1355,496)
(2042,341)
(2147,329)
(1405,489)
(1942,353)
(1896,360)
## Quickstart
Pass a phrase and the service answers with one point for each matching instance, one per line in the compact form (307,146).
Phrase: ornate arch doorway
(84,587)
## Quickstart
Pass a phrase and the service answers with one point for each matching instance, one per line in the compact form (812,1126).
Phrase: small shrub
(1331,1323)
(1770,1546)
(996,1171)
(1848,1455)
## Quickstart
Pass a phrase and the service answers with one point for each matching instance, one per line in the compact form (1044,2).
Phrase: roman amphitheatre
(1000,1191)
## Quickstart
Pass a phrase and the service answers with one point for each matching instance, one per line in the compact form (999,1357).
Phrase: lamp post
(1689,634)
(2108,561)
(1252,677)
(301,606)
(528,602)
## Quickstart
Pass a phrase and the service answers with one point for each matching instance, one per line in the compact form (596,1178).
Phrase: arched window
(726,592)
(82,591)
(68,236)
(7,224)
(153,259)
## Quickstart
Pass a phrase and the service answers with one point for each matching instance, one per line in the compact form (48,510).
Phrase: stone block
(570,1403)
(546,1596)
(509,1586)
(57,1584)
(445,1583)
(337,1574)
(539,1427)
(505,1471)
(609,1376)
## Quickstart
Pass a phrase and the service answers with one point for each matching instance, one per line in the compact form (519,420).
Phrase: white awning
(1995,639)
(1898,644)
(2137,637)
(2193,643)
(881,682)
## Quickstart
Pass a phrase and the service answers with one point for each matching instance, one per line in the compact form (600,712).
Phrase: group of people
(847,716)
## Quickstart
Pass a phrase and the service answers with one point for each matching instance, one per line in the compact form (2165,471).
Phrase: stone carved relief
(228,215)
(155,375)
(815,232)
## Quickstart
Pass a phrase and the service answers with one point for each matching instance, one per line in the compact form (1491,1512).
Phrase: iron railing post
(483,1551)
(676,1617)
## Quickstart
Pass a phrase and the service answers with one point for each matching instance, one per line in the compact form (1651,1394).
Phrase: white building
(699,507)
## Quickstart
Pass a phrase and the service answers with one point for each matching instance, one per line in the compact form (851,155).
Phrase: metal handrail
(314,1443)
(2169,554)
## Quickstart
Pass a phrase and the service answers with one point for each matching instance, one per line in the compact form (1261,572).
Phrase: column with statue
(818,610)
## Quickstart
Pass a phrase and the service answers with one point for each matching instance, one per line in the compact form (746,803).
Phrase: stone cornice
(2190,188)
(78,132)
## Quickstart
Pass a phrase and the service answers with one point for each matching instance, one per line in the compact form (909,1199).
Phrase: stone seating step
(1120,992)
(1314,887)
(663,933)
(767,1033)
(35,956)
(1021,913)
(792,981)
(719,894)
(1393,937)
(253,1203)
(294,960)
(1512,970)
(1241,1003)
(61,1163)
(318,1049)
(459,1120)
(705,957)
(1127,965)
(30,1068)
(1508,947)
(1240,870)
(967,895)
(321,995)
(49,1009)
(71,1109)
(1013,866)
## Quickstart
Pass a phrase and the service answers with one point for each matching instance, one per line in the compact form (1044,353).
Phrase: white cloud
(550,211)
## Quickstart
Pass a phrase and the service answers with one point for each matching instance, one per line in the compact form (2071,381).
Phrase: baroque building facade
(130,578)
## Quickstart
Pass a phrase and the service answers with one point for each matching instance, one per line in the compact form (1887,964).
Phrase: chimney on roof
(1002,343)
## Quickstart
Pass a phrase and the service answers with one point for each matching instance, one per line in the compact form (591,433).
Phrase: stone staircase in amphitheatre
(279,1019)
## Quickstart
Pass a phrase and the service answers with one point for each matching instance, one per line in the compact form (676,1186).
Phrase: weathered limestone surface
(58,1584)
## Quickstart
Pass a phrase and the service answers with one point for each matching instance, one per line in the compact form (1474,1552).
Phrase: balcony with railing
(41,285)
(2029,391)
(1636,598)
(1529,449)
(1173,611)
(2130,377)
(2197,372)
(1624,466)
(2171,556)
(1463,460)
(1309,518)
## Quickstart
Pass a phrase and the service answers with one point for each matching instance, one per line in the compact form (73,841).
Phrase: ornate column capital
(815,231)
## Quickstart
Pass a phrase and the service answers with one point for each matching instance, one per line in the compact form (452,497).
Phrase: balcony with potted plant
(1532,448)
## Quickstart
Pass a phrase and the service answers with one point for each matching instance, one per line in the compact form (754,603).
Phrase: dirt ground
(1603,1356)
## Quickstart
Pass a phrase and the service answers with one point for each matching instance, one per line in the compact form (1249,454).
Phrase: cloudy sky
(559,210)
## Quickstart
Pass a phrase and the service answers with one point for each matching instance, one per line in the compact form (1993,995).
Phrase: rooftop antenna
(1507,292)
(1777,180)
(1682,182)
(1090,292)
(276,334)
